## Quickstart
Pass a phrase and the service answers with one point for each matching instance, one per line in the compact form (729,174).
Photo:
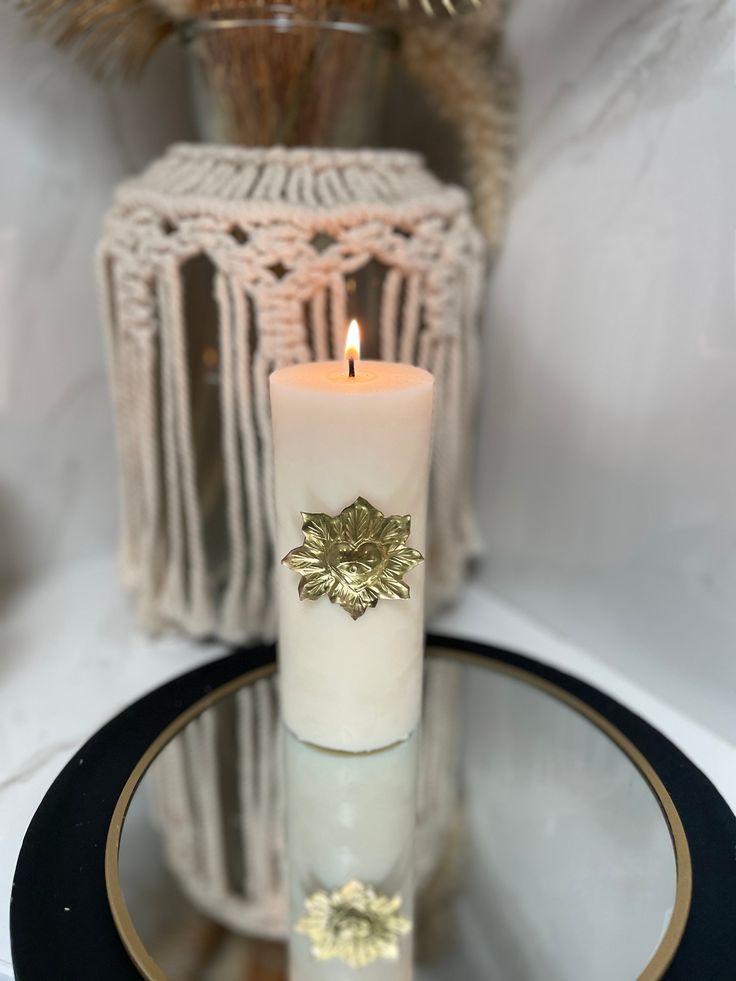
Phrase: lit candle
(351,458)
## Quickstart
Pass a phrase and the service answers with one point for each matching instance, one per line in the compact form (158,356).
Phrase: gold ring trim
(128,933)
(658,963)
(663,955)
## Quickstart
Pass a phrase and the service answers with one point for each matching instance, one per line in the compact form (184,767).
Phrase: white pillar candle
(350,818)
(351,684)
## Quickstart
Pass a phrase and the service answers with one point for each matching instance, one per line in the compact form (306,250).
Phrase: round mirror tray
(559,837)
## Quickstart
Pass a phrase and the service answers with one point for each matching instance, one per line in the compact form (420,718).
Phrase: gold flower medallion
(355,558)
(354,924)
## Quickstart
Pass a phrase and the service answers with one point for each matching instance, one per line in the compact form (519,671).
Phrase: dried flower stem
(471,92)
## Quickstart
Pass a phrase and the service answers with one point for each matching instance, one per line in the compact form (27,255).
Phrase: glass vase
(284,76)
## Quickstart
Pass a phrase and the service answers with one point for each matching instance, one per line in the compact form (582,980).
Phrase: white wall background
(66,142)
(608,463)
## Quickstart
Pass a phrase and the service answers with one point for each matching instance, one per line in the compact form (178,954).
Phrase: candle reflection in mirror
(350,841)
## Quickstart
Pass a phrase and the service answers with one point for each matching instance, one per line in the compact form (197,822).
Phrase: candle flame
(352,343)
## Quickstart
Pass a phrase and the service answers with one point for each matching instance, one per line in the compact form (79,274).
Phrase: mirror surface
(541,850)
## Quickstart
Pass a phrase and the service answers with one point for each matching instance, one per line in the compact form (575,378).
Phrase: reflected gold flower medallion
(354,924)
(355,558)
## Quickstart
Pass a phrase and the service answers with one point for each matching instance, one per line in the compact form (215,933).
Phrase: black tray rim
(64,884)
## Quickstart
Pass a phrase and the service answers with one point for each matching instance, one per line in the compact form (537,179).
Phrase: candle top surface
(370,377)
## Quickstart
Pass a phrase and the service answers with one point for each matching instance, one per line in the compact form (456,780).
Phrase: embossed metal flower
(355,558)
(354,924)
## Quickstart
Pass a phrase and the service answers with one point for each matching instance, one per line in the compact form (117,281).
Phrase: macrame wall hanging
(220,264)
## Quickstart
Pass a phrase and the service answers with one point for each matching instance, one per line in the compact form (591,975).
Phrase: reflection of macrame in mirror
(219,265)
(219,804)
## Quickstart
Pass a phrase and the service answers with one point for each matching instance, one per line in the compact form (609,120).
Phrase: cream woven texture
(284,231)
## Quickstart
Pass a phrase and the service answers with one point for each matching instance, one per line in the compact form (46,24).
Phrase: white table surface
(72,658)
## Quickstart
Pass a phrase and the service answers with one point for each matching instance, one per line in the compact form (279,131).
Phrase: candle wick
(351,367)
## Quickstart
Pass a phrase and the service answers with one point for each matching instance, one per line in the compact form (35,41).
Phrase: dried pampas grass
(460,66)
(302,85)
(110,37)
(118,37)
